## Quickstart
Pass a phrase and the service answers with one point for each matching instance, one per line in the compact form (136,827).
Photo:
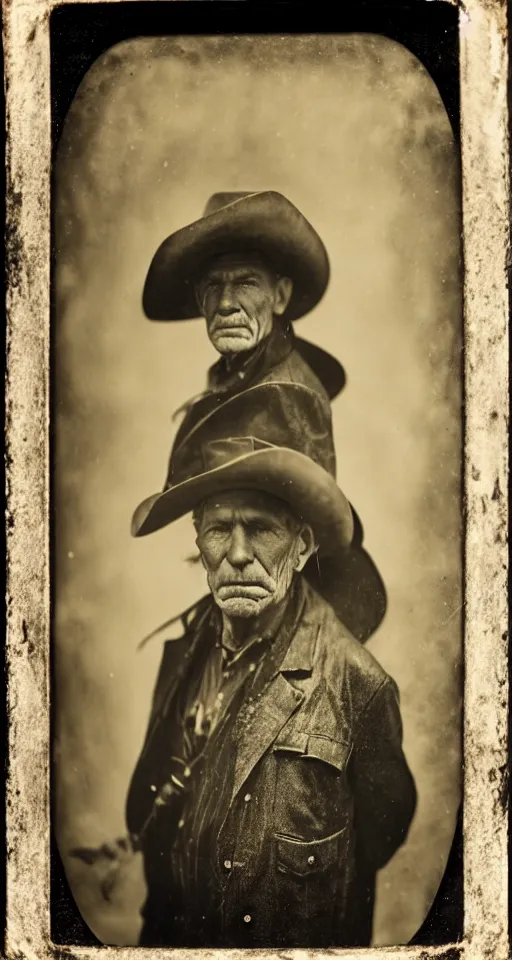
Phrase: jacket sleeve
(384,790)
(151,765)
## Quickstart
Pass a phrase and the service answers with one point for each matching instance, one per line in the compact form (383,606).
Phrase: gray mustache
(231,323)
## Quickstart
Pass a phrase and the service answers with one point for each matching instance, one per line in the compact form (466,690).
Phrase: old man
(250,266)
(272,784)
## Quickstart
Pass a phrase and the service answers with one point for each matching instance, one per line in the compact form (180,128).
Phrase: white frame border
(485,179)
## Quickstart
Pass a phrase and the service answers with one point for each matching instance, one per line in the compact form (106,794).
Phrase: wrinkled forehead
(231,266)
(250,503)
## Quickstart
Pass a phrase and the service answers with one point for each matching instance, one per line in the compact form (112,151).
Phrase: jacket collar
(300,654)
(280,699)
(298,658)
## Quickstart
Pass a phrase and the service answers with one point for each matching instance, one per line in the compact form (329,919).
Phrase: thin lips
(228,329)
(244,583)
(242,586)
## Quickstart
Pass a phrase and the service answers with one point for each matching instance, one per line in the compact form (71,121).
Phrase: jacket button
(227,864)
(247,918)
(311,860)
(248,796)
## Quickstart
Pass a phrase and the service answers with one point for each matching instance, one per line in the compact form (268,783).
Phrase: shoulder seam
(384,682)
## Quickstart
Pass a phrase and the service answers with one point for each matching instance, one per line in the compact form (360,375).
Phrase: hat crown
(223,199)
(238,220)
(217,453)
(270,414)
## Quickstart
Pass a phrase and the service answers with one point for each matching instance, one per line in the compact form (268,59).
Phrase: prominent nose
(240,552)
(227,299)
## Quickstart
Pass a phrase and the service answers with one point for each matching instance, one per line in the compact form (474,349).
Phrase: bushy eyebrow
(215,275)
(224,517)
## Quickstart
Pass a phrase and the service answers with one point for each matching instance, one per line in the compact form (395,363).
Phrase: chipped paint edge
(486,239)
(484,65)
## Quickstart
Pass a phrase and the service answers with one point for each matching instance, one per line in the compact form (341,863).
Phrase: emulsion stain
(496,493)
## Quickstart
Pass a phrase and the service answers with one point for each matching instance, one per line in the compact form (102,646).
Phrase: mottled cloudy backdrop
(353,131)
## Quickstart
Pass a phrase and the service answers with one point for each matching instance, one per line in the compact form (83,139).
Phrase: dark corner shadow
(444,922)
(67,926)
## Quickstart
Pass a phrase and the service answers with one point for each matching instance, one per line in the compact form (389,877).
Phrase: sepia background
(353,131)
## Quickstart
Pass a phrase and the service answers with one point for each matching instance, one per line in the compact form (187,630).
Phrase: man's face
(250,545)
(239,298)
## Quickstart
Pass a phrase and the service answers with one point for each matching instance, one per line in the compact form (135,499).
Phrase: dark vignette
(79,34)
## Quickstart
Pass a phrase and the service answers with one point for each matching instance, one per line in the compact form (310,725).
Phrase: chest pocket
(315,746)
(311,791)
(304,859)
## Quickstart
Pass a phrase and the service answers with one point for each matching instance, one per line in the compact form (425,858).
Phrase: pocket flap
(304,858)
(315,747)
(292,742)
(335,752)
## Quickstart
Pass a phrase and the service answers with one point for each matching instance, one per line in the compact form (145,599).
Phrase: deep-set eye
(218,529)
(258,527)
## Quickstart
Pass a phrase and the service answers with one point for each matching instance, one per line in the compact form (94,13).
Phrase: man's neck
(238,631)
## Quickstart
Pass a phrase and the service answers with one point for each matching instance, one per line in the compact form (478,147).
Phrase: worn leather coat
(330,793)
(275,359)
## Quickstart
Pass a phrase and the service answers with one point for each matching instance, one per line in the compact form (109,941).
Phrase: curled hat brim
(327,368)
(264,222)
(310,491)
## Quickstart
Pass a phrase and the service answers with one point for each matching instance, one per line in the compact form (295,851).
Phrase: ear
(306,547)
(283,292)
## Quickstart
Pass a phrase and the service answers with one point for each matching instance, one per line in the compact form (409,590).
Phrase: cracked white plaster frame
(485,175)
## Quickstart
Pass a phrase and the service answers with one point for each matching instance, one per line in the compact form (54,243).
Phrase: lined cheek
(214,550)
(285,562)
(253,303)
(271,555)
(209,307)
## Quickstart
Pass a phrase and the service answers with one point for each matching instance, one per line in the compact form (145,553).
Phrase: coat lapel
(280,699)
(277,704)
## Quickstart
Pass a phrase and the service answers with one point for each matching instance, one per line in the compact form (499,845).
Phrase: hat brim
(328,370)
(353,587)
(309,490)
(263,222)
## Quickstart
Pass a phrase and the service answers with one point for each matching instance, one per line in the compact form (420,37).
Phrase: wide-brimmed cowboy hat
(274,438)
(265,223)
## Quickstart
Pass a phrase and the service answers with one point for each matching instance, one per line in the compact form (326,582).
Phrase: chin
(226,345)
(244,607)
